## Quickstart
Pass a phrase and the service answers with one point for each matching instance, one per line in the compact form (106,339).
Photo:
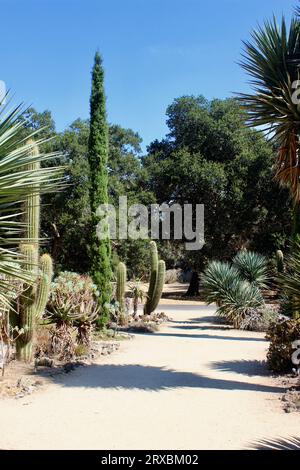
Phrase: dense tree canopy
(208,157)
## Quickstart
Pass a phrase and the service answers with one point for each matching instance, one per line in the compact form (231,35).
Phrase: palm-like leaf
(16,183)
(217,279)
(272,59)
(253,267)
(235,297)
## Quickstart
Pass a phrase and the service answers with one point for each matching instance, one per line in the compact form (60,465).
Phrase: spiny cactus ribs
(157,280)
(35,295)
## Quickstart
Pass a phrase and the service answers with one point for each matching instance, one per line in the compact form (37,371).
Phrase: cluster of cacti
(157,280)
(121,286)
(280,261)
(33,299)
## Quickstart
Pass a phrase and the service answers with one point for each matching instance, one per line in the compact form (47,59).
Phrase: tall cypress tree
(100,250)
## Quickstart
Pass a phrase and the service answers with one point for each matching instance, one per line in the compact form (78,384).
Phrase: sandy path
(193,384)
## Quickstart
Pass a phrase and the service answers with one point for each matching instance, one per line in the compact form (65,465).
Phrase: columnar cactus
(44,284)
(33,300)
(32,207)
(280,261)
(27,309)
(157,280)
(121,286)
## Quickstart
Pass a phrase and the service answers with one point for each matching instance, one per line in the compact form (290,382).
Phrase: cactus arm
(43,289)
(121,285)
(161,272)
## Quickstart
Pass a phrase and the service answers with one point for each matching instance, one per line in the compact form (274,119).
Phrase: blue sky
(153,51)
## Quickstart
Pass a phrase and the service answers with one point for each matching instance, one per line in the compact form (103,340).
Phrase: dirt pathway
(193,385)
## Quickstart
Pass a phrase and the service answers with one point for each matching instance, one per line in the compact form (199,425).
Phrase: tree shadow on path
(135,376)
(246,367)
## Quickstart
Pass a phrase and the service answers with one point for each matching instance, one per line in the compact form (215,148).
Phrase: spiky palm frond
(235,297)
(239,301)
(217,279)
(272,59)
(282,443)
(253,267)
(16,183)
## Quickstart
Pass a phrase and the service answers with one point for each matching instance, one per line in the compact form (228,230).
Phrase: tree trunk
(193,289)
(295,235)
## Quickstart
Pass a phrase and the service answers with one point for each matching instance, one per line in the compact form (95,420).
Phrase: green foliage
(217,279)
(73,297)
(210,156)
(100,249)
(235,289)
(121,286)
(281,336)
(138,295)
(253,267)
(17,184)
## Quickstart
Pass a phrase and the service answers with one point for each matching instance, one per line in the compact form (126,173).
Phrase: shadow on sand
(135,376)
(249,367)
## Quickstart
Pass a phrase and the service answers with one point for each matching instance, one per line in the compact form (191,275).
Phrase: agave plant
(73,302)
(252,267)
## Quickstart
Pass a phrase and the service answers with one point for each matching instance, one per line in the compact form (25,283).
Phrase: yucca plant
(16,183)
(272,60)
(239,301)
(236,298)
(252,267)
(138,295)
(21,178)
(217,279)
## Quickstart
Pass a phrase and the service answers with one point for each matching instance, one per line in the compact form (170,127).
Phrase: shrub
(73,302)
(235,297)
(281,336)
(240,300)
(217,279)
(253,267)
